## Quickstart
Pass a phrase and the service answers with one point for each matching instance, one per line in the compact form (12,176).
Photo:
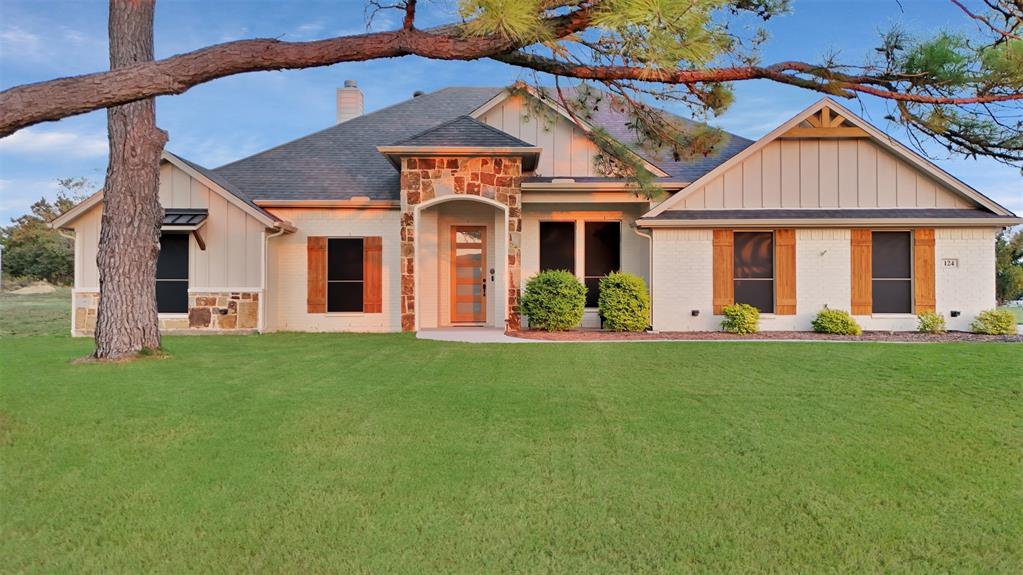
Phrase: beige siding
(566,149)
(231,260)
(286,282)
(822,174)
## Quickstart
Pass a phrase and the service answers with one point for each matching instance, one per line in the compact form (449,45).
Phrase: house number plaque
(950,263)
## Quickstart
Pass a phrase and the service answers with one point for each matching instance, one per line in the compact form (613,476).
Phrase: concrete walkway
(470,335)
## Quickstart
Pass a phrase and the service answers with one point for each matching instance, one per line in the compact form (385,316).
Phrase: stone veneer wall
(221,311)
(423,179)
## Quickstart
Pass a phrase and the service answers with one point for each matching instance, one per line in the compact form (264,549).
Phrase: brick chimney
(349,102)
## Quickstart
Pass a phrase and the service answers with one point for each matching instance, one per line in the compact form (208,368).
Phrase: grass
(35,314)
(1018,311)
(385,454)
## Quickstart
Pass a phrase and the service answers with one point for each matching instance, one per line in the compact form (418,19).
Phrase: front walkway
(471,335)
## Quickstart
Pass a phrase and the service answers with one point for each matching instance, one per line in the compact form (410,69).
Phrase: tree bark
(129,241)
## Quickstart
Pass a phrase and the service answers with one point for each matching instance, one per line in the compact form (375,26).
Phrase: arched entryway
(461,262)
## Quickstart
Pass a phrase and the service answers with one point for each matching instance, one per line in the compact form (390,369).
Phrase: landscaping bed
(897,336)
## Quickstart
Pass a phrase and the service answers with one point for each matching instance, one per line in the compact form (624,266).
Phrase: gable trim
(884,140)
(560,109)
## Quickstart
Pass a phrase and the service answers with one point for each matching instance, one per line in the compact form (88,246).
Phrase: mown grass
(384,454)
(35,314)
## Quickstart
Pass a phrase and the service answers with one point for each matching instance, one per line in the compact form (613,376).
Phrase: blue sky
(234,117)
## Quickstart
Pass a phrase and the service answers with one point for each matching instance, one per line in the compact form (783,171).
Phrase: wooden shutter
(316,277)
(923,269)
(785,272)
(724,289)
(861,271)
(372,263)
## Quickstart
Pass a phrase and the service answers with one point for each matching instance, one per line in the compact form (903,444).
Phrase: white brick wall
(683,276)
(970,288)
(287,272)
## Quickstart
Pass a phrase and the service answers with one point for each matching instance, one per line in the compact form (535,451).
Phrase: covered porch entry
(461,255)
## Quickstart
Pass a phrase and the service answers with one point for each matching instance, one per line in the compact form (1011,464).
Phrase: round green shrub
(624,302)
(741,318)
(836,321)
(554,301)
(995,322)
(930,322)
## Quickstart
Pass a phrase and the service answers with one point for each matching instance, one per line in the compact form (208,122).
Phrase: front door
(468,277)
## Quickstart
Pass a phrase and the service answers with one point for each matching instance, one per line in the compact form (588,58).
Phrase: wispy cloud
(54,142)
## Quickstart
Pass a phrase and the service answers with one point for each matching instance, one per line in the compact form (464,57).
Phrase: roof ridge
(462,118)
(317,132)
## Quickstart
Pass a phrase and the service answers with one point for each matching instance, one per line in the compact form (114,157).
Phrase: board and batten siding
(822,173)
(231,260)
(567,151)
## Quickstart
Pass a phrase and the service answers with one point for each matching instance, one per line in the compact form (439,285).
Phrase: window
(557,246)
(344,274)
(892,272)
(172,274)
(753,269)
(603,247)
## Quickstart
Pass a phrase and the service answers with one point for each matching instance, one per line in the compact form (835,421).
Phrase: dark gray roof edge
(465,117)
(226,185)
(848,213)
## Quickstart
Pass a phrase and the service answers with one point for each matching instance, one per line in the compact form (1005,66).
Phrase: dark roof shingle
(464,131)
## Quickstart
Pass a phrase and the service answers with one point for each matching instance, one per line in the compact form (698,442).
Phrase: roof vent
(349,102)
(417,93)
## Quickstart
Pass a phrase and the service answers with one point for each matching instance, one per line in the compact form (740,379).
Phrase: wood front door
(468,274)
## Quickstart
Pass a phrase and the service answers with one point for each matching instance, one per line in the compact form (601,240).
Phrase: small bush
(554,301)
(836,321)
(930,322)
(624,302)
(741,318)
(995,322)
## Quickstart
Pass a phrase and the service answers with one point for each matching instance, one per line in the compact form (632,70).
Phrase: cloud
(37,141)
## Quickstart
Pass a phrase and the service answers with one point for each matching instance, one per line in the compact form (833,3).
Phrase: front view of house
(433,212)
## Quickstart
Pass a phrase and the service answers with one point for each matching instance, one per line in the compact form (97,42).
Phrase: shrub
(624,302)
(554,301)
(995,322)
(836,321)
(930,322)
(741,318)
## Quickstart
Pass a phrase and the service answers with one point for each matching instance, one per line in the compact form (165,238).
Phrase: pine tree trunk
(130,235)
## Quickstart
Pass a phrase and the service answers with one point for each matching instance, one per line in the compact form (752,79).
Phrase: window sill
(893,315)
(172,315)
(345,313)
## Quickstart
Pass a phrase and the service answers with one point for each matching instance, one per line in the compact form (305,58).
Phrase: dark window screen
(753,271)
(172,274)
(557,246)
(892,270)
(603,247)
(344,274)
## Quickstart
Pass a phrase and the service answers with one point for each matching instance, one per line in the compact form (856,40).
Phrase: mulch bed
(896,336)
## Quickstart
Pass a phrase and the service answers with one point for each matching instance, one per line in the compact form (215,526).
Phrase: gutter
(832,223)
(650,266)
(261,324)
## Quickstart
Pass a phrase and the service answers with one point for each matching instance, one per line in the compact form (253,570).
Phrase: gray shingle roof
(342,161)
(464,131)
(228,186)
(859,214)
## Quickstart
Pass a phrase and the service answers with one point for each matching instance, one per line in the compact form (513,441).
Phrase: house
(433,212)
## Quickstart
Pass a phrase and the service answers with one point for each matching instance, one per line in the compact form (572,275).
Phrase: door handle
(484,285)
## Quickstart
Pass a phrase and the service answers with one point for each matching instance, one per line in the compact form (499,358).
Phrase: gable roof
(464,131)
(342,161)
(209,179)
(676,202)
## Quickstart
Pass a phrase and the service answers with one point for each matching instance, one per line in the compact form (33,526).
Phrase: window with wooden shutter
(860,271)
(923,270)
(891,264)
(723,286)
(316,276)
(785,271)
(372,286)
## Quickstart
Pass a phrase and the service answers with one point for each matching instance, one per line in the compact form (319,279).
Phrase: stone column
(423,179)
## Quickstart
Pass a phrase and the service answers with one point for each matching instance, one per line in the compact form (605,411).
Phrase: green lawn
(36,314)
(383,454)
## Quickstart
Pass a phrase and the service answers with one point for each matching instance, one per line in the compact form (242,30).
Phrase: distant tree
(1009,266)
(32,249)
